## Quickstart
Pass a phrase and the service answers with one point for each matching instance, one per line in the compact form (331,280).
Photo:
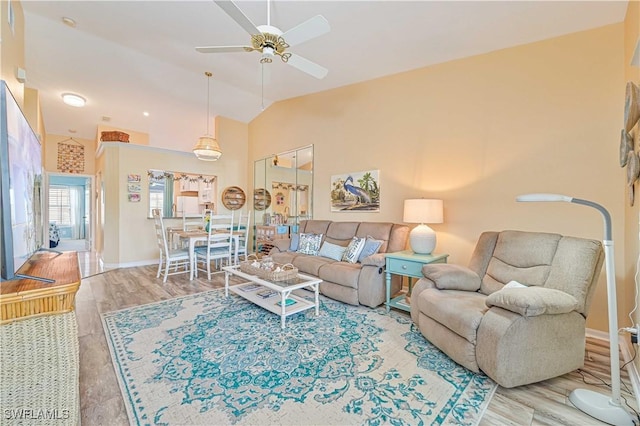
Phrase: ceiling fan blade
(220,49)
(307,66)
(307,30)
(237,15)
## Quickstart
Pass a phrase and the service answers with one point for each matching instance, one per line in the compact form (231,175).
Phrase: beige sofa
(354,283)
(514,335)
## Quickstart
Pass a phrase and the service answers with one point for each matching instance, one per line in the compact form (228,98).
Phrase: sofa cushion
(451,277)
(353,250)
(332,251)
(309,243)
(314,226)
(284,257)
(522,256)
(343,273)
(341,232)
(311,264)
(460,311)
(371,247)
(378,230)
(533,301)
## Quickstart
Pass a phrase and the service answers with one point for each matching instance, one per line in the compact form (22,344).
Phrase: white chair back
(244,221)
(219,244)
(193,221)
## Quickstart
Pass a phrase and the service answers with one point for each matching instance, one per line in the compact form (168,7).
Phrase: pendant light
(207,148)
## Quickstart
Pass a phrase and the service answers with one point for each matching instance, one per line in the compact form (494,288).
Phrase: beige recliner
(515,335)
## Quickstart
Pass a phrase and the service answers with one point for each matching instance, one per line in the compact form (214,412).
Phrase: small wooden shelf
(261,199)
(233,198)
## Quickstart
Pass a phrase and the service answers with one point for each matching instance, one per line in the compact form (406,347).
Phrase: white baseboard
(128,264)
(634,377)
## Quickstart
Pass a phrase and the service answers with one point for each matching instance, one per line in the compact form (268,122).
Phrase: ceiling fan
(270,41)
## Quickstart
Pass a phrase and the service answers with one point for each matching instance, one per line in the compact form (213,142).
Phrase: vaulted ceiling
(127,57)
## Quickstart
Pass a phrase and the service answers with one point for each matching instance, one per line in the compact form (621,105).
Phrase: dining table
(194,236)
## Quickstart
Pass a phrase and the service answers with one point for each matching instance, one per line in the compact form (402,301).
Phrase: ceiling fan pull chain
(262,88)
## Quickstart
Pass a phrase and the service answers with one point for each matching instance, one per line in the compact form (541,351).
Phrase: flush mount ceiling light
(207,148)
(73,100)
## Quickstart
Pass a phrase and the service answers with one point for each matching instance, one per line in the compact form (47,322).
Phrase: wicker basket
(113,136)
(285,272)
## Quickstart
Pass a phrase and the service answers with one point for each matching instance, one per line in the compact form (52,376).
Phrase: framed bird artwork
(356,191)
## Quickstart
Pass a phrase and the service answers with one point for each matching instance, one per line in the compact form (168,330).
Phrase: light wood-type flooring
(544,403)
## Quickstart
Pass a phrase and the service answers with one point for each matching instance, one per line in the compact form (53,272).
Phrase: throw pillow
(353,250)
(371,247)
(309,244)
(295,241)
(332,251)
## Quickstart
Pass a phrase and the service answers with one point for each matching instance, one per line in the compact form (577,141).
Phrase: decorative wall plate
(631,106)
(626,146)
(233,198)
(261,199)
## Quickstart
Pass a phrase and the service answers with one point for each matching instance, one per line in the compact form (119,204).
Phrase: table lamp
(595,404)
(422,238)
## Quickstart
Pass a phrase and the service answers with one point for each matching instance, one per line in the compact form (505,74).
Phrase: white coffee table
(255,286)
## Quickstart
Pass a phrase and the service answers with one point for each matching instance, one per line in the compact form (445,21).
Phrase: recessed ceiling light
(68,22)
(146,114)
(73,99)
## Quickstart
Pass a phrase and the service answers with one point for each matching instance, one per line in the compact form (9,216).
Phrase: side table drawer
(405,267)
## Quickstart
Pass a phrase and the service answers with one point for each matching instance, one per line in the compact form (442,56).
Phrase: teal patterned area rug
(205,359)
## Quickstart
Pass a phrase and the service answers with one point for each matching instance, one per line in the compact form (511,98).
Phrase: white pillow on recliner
(452,277)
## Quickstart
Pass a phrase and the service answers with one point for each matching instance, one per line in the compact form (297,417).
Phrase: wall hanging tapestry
(70,158)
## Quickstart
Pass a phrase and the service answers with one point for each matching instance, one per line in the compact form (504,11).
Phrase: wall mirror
(283,192)
(178,194)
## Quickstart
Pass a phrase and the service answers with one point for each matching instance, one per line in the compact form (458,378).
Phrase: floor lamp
(595,404)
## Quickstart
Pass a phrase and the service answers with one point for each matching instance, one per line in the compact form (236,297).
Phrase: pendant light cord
(262,86)
(208,74)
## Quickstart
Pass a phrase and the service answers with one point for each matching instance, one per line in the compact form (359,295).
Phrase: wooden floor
(544,403)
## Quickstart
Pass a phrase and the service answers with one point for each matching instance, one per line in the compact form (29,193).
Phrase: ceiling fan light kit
(270,41)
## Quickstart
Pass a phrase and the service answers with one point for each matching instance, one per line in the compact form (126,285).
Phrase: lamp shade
(207,149)
(423,210)
(422,238)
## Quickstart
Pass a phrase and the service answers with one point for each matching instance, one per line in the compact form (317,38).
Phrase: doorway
(69,210)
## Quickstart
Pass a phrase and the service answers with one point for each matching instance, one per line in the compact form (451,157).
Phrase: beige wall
(127,237)
(138,138)
(51,153)
(476,132)
(12,50)
(632,214)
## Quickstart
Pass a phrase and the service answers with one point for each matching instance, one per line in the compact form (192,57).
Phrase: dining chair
(218,246)
(190,222)
(242,229)
(168,257)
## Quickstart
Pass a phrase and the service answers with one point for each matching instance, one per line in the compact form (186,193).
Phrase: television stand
(31,297)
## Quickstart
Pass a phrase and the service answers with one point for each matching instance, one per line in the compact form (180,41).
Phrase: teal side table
(407,264)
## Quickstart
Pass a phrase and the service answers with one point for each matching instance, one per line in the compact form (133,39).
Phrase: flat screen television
(21,201)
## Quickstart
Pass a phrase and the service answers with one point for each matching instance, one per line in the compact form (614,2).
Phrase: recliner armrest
(377,259)
(446,276)
(533,301)
(281,245)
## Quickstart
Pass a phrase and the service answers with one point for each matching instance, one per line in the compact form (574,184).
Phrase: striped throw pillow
(353,250)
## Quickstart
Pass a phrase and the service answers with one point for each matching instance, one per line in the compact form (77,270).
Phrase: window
(60,205)
(156,201)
